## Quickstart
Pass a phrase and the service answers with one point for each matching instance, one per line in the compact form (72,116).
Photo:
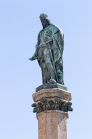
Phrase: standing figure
(49,51)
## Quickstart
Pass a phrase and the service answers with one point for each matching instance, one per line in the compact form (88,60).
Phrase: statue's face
(45,23)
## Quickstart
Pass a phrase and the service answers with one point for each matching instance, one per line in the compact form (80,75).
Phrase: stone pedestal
(51,107)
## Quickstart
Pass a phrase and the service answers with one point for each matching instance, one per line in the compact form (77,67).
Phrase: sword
(52,61)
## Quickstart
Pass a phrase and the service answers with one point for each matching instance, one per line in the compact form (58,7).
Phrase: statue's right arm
(35,56)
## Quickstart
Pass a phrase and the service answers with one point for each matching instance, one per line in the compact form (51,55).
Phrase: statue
(49,51)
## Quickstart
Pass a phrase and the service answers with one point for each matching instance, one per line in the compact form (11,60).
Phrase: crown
(43,16)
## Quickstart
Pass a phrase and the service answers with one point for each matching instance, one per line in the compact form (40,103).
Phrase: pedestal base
(50,86)
(51,107)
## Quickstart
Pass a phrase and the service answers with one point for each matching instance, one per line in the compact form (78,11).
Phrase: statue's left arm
(58,36)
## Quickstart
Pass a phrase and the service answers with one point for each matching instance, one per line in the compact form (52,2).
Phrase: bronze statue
(49,51)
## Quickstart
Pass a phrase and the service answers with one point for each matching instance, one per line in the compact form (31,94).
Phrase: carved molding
(56,104)
(48,93)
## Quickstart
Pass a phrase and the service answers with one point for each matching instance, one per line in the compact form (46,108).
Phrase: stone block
(52,93)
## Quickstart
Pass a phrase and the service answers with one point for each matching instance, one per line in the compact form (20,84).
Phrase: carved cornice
(52,93)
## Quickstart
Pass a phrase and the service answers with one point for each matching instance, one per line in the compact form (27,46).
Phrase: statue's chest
(45,34)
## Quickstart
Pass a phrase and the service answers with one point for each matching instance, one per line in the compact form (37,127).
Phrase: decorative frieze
(56,104)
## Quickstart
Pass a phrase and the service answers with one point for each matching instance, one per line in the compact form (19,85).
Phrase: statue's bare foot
(52,81)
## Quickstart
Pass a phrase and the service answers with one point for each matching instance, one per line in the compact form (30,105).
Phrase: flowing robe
(49,51)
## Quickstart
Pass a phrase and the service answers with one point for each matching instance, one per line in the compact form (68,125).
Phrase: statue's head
(44,20)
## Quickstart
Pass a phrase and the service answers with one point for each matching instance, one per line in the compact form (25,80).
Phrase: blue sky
(19,26)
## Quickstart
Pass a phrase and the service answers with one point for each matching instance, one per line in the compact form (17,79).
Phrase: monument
(52,100)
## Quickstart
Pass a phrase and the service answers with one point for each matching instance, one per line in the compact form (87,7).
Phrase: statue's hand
(32,58)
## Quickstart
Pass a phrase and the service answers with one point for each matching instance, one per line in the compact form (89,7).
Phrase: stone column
(51,107)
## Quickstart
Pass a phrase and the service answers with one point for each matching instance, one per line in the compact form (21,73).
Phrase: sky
(19,77)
